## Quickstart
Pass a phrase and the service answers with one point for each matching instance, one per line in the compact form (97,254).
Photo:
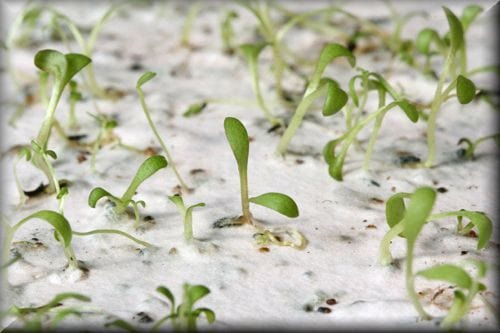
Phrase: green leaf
(237,137)
(195,109)
(456,31)
(409,109)
(209,314)
(51,153)
(279,202)
(178,201)
(167,293)
(75,63)
(197,292)
(466,90)
(449,273)
(417,212)
(148,168)
(97,193)
(329,52)
(62,67)
(457,311)
(144,78)
(336,98)
(483,224)
(469,14)
(55,219)
(120,323)
(395,208)
(425,38)
(251,51)
(329,150)
(64,296)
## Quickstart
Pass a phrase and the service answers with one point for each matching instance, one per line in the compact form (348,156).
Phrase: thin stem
(112,231)
(410,282)
(385,256)
(373,139)
(44,133)
(245,204)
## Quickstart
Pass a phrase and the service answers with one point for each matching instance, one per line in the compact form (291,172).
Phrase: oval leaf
(279,202)
(75,63)
(483,224)
(167,293)
(456,30)
(52,62)
(335,100)
(197,292)
(144,78)
(449,273)
(409,109)
(466,90)
(469,14)
(97,193)
(251,51)
(395,208)
(237,137)
(195,109)
(57,220)
(424,40)
(148,168)
(209,314)
(417,212)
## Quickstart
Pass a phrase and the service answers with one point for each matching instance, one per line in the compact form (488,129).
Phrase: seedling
(369,81)
(237,137)
(48,316)
(74,96)
(227,31)
(408,223)
(193,11)
(62,67)
(143,79)
(186,213)
(149,167)
(183,316)
(336,98)
(468,152)
(251,53)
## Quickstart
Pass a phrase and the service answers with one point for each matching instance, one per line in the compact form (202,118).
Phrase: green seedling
(143,79)
(149,167)
(335,100)
(184,316)
(62,67)
(193,12)
(195,109)
(369,81)
(48,316)
(63,233)
(237,137)
(408,221)
(186,213)
(251,53)
(74,96)
(468,152)
(227,31)
(105,135)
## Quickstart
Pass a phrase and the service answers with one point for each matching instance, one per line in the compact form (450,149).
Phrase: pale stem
(410,283)
(256,88)
(245,204)
(112,231)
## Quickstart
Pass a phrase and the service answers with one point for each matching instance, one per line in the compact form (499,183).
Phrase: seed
(324,309)
(264,249)
(331,301)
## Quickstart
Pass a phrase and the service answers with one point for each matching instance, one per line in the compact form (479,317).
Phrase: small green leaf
(167,293)
(457,311)
(144,78)
(449,273)
(251,51)
(75,63)
(64,191)
(62,67)
(97,193)
(195,109)
(148,168)
(417,212)
(120,323)
(279,202)
(57,220)
(483,224)
(456,30)
(63,296)
(197,292)
(336,98)
(466,90)
(178,201)
(425,38)
(24,152)
(237,137)
(409,109)
(329,150)
(469,14)
(395,208)
(51,153)
(209,314)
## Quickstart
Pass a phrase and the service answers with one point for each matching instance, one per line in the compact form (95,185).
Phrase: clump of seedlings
(143,79)
(467,153)
(149,167)
(45,317)
(318,86)
(407,222)
(237,137)
(186,213)
(184,316)
(354,125)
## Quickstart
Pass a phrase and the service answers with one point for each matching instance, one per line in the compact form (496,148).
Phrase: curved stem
(112,231)
(385,256)
(410,283)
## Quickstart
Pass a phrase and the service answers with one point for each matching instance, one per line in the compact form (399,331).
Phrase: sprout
(149,167)
(143,79)
(335,100)
(237,137)
(468,152)
(74,96)
(183,316)
(408,221)
(188,24)
(187,214)
(227,32)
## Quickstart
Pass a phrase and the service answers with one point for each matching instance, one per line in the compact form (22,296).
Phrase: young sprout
(74,96)
(105,135)
(184,316)
(227,31)
(369,81)
(143,79)
(149,167)
(335,99)
(62,67)
(408,221)
(34,319)
(468,152)
(187,214)
(251,53)
(237,137)
(193,11)
(195,109)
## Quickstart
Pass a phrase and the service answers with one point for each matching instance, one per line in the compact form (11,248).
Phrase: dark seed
(331,301)
(77,137)
(324,309)
(144,317)
(371,226)
(299,161)
(136,67)
(463,253)
(374,183)
(264,249)
(308,308)
(442,189)
(377,200)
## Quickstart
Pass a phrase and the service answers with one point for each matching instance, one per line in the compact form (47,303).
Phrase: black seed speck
(136,67)
(442,189)
(374,183)
(324,309)
(144,317)
(463,253)
(308,308)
